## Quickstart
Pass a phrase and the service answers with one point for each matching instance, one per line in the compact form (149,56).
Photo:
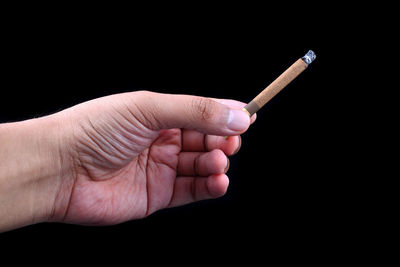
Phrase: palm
(136,189)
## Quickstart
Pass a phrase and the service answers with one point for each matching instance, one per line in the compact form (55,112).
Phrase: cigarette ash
(309,57)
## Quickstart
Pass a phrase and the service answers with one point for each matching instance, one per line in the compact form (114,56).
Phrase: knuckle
(143,95)
(204,109)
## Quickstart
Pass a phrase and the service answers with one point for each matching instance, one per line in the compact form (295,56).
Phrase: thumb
(166,111)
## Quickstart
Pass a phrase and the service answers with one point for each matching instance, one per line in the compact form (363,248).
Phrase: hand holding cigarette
(117,158)
(123,157)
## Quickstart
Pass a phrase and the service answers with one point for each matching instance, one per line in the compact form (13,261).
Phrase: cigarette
(281,82)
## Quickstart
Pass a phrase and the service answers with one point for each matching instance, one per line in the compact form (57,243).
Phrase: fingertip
(234,104)
(228,164)
(253,118)
(238,145)
(220,160)
(238,121)
(231,145)
(217,185)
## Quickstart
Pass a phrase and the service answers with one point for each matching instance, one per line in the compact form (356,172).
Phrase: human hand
(125,156)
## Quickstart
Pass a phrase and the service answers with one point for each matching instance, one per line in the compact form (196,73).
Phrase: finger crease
(196,166)
(182,131)
(205,142)
(193,189)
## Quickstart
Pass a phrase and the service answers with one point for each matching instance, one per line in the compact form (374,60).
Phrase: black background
(291,191)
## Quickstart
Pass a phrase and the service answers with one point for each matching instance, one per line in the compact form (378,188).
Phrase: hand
(125,156)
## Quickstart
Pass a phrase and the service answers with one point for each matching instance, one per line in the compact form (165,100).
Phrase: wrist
(31,171)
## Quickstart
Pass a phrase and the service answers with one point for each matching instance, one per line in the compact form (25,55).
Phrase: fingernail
(238,147)
(238,120)
(227,165)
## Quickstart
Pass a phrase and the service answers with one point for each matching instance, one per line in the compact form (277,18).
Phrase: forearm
(29,171)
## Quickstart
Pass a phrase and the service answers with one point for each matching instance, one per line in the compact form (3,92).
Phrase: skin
(117,158)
